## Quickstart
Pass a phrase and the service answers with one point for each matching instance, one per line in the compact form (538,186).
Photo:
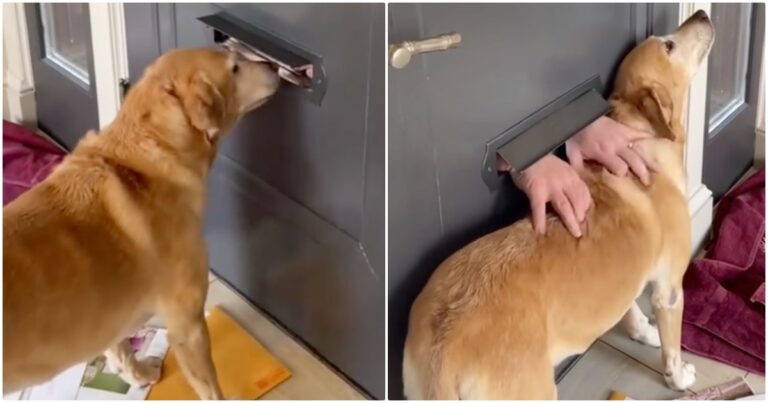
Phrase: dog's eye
(670,46)
(235,68)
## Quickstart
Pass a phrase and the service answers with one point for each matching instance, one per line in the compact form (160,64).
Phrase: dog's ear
(202,103)
(656,105)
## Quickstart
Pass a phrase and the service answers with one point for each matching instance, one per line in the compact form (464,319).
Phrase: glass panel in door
(728,62)
(61,52)
(66,37)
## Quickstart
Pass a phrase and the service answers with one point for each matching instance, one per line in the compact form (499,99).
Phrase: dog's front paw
(152,369)
(682,378)
(144,372)
(649,335)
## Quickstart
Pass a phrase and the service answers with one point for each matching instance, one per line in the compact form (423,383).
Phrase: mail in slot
(298,75)
(296,65)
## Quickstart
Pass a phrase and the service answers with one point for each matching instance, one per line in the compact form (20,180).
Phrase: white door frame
(109,55)
(18,82)
(699,196)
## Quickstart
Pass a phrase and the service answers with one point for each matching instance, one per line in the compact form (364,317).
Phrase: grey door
(295,215)
(732,92)
(444,107)
(62,65)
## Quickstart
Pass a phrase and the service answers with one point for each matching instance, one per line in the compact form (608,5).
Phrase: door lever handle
(400,54)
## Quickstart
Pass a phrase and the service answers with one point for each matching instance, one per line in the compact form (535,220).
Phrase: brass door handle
(400,54)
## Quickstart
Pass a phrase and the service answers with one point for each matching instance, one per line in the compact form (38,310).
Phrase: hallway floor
(616,363)
(312,379)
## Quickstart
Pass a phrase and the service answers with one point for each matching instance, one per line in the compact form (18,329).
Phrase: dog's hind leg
(667,300)
(519,372)
(535,383)
(121,359)
(636,324)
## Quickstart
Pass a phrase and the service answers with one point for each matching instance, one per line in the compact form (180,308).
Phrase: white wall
(18,82)
(6,112)
(760,132)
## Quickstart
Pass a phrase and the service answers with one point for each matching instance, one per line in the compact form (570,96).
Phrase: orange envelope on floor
(245,369)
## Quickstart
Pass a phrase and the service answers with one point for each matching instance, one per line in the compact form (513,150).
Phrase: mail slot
(545,130)
(299,67)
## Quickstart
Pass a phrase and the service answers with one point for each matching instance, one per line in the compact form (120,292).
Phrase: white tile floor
(311,380)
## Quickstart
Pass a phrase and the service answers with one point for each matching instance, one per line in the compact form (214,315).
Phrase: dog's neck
(628,113)
(162,133)
(666,154)
(139,143)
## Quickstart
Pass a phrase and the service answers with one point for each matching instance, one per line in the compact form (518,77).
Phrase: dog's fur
(115,234)
(496,316)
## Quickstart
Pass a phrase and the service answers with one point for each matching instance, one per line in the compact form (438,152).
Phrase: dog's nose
(701,15)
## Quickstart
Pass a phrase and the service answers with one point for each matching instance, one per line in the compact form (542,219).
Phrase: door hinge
(125,85)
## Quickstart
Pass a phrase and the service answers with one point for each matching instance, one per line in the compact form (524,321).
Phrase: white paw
(113,367)
(144,372)
(649,335)
(682,378)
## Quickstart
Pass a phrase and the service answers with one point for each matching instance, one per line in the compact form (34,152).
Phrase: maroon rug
(27,160)
(724,317)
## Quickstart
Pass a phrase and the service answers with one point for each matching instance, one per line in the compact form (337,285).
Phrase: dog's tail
(442,382)
(443,387)
(430,381)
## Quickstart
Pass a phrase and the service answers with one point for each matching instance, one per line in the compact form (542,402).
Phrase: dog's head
(209,89)
(654,77)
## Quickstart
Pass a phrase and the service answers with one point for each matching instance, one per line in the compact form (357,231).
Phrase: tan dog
(115,234)
(497,316)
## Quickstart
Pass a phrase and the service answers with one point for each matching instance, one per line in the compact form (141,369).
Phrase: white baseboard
(700,207)
(21,107)
(6,111)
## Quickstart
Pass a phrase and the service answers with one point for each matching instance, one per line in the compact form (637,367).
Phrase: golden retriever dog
(115,234)
(498,315)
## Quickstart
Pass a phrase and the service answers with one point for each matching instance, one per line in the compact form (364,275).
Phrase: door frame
(109,55)
(700,201)
(18,80)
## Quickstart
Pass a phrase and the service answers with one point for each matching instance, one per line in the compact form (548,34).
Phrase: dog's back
(513,303)
(69,266)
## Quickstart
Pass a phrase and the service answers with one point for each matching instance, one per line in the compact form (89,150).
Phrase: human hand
(609,143)
(552,180)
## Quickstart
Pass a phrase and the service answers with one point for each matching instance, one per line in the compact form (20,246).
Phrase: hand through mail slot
(300,76)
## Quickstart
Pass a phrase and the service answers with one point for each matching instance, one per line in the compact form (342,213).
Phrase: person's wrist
(601,123)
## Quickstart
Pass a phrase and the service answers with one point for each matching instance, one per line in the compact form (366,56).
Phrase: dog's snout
(701,15)
(698,18)
(266,68)
(270,71)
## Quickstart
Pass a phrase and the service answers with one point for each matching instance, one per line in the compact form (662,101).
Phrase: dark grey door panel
(730,146)
(65,93)
(444,107)
(295,216)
